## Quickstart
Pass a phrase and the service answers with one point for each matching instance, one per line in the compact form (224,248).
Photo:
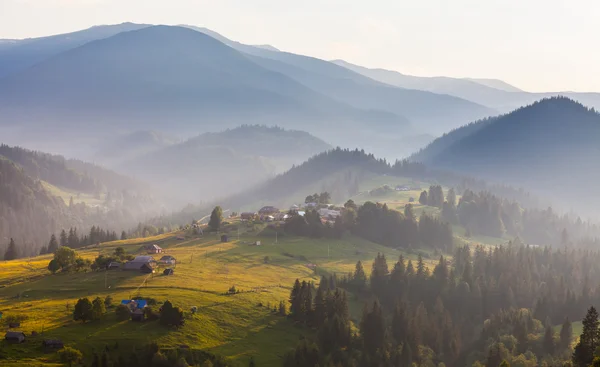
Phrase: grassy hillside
(236,326)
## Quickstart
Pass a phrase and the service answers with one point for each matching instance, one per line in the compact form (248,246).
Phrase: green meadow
(236,326)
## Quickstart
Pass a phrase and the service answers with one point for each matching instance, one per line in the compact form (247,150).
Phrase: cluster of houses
(18,337)
(272,214)
(145,263)
(407,188)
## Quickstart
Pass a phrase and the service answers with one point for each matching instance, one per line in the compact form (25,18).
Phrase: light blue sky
(538,45)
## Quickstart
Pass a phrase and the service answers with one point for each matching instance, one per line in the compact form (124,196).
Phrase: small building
(154,249)
(147,268)
(167,260)
(15,337)
(248,216)
(139,262)
(13,325)
(168,271)
(224,238)
(328,213)
(138,315)
(294,208)
(311,205)
(53,344)
(267,210)
(114,265)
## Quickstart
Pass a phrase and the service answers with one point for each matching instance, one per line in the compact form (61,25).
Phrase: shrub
(53,266)
(70,355)
(232,290)
(267,259)
(108,301)
(122,312)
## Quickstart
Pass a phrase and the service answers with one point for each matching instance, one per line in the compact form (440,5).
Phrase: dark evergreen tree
(589,339)
(566,334)
(11,251)
(53,244)
(216,217)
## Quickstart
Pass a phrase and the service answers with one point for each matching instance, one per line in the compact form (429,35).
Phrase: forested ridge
(29,213)
(486,209)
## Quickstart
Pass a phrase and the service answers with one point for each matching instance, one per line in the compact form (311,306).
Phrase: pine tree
(216,217)
(423,199)
(295,304)
(11,251)
(451,197)
(566,334)
(123,235)
(589,339)
(421,268)
(320,308)
(406,356)
(52,245)
(549,345)
(379,276)
(63,238)
(400,322)
(359,278)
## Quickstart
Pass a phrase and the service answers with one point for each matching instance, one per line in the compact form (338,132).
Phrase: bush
(70,355)
(122,312)
(232,290)
(267,259)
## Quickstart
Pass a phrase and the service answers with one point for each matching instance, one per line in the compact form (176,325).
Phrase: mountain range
(138,77)
(549,147)
(493,93)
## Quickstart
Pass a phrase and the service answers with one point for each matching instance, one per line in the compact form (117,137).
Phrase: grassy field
(78,197)
(236,326)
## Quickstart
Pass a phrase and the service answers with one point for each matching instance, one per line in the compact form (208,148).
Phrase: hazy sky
(537,45)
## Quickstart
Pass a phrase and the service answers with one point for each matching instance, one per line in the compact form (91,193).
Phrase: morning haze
(392,184)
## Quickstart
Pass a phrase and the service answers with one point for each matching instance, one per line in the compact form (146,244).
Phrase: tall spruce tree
(53,244)
(566,334)
(63,238)
(11,251)
(216,218)
(589,339)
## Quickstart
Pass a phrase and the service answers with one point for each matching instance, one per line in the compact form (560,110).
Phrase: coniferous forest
(513,303)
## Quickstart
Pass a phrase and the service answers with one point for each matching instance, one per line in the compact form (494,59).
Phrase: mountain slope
(547,147)
(27,212)
(130,146)
(18,55)
(219,164)
(143,78)
(428,111)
